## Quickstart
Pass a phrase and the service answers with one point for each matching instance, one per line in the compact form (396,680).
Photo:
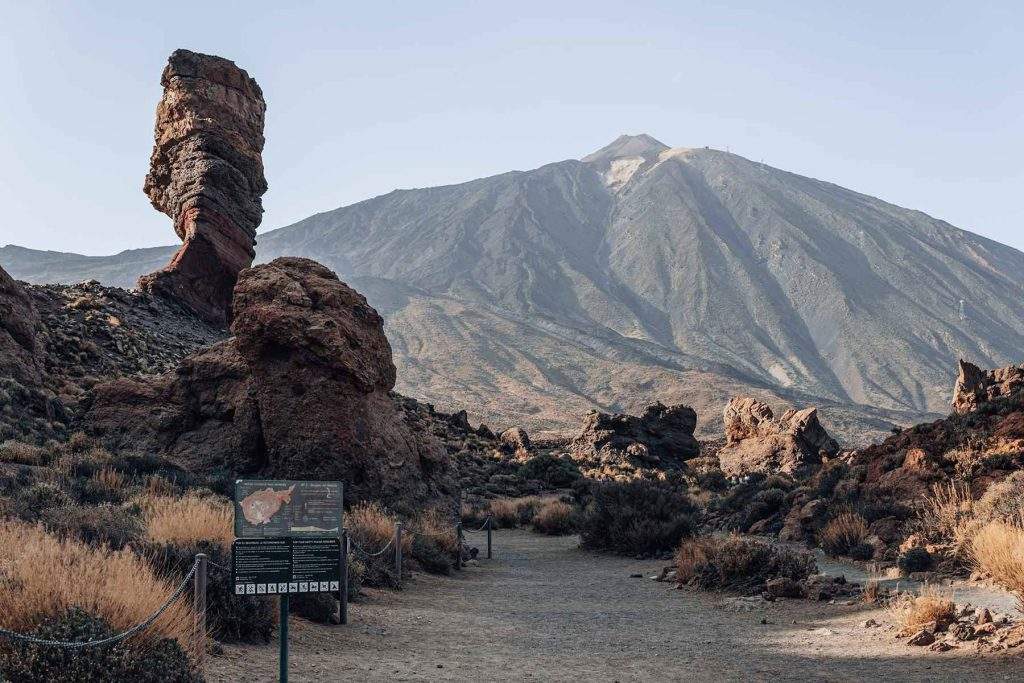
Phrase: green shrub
(164,662)
(101,525)
(735,563)
(555,472)
(640,517)
(29,504)
(1003,501)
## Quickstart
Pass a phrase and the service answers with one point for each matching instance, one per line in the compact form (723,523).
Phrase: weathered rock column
(206,173)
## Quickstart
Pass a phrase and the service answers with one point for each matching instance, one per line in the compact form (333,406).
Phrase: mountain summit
(642,272)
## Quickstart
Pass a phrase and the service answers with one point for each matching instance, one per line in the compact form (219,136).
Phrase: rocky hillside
(685,275)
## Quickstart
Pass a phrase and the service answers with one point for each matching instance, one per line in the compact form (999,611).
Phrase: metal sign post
(288,540)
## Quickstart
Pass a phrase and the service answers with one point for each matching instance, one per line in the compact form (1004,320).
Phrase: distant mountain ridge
(646,272)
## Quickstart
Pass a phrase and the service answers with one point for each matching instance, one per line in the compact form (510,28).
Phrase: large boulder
(619,445)
(301,391)
(19,350)
(975,387)
(757,442)
(206,173)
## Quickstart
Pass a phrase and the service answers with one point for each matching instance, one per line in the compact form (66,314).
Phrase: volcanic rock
(515,440)
(206,173)
(976,387)
(757,442)
(661,438)
(18,322)
(302,390)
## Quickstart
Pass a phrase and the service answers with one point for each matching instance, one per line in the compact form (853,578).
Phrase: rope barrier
(367,553)
(476,531)
(32,640)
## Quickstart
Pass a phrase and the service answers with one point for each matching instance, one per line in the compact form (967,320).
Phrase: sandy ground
(545,610)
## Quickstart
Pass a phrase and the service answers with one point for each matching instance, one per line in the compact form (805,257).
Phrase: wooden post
(398,553)
(458,550)
(343,584)
(488,538)
(199,604)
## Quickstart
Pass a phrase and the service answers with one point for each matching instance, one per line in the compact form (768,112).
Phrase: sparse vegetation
(19,453)
(555,518)
(188,521)
(846,535)
(948,516)
(913,612)
(997,549)
(735,563)
(554,472)
(639,517)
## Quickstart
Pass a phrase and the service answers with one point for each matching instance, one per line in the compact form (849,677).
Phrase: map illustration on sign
(261,506)
(267,508)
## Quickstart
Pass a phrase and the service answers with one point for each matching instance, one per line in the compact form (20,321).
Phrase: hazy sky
(921,104)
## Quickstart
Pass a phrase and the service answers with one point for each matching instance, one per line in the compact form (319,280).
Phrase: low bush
(434,543)
(230,618)
(29,504)
(913,612)
(555,472)
(555,518)
(735,563)
(997,549)
(371,527)
(160,661)
(948,516)
(915,560)
(639,517)
(1003,501)
(844,534)
(20,453)
(509,513)
(110,525)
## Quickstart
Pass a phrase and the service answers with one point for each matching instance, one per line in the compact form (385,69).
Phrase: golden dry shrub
(438,527)
(913,612)
(554,518)
(693,556)
(42,577)
(189,520)
(844,534)
(111,479)
(372,526)
(949,516)
(505,513)
(997,549)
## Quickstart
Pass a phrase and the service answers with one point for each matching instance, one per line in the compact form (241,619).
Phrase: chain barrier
(32,640)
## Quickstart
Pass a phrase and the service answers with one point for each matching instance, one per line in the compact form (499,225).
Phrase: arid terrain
(546,610)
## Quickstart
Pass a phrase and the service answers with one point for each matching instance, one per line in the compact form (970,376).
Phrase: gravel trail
(545,610)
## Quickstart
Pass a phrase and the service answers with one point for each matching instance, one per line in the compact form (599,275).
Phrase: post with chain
(343,584)
(398,554)
(458,550)
(488,538)
(199,605)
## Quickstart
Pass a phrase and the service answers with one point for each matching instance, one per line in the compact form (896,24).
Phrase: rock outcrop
(624,445)
(302,390)
(206,173)
(976,387)
(757,442)
(19,358)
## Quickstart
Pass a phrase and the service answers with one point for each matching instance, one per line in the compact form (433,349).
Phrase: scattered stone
(921,638)
(984,616)
(976,387)
(869,623)
(941,646)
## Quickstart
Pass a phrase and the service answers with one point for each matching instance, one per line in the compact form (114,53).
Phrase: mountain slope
(645,272)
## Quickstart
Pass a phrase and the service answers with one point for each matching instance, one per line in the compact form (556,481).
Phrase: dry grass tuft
(843,534)
(913,612)
(111,479)
(189,520)
(372,527)
(509,513)
(997,549)
(948,516)
(554,518)
(872,592)
(43,577)
(19,453)
(436,526)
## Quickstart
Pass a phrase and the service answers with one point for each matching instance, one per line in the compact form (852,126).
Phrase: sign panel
(281,565)
(274,507)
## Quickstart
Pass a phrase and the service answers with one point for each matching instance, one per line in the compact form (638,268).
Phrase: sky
(919,103)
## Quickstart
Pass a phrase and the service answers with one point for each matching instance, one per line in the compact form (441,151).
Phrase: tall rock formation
(975,387)
(757,442)
(302,390)
(206,173)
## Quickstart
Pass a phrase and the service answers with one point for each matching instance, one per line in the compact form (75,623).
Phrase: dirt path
(545,610)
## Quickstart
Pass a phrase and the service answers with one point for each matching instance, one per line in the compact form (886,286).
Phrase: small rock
(962,631)
(984,617)
(941,646)
(636,576)
(869,623)
(921,638)
(985,629)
